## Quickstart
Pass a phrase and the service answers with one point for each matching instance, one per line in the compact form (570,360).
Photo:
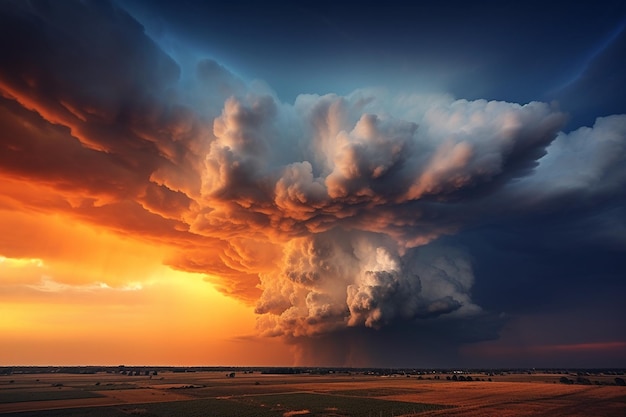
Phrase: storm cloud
(334,215)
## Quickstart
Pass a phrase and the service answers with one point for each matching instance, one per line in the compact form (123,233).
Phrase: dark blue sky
(499,50)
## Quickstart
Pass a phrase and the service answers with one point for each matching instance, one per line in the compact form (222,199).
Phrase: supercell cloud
(326,213)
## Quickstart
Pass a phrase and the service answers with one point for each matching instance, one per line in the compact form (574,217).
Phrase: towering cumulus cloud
(324,213)
(364,188)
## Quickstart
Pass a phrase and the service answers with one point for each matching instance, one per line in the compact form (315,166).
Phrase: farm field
(254,394)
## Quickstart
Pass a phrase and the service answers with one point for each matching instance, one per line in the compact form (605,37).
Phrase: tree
(565,380)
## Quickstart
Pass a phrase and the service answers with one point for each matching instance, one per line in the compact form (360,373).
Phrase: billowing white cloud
(589,160)
(339,279)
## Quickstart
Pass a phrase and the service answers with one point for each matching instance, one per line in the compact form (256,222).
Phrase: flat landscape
(252,393)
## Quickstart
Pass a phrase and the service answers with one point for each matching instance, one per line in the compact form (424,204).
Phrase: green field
(249,406)
(326,404)
(205,394)
(256,406)
(375,392)
(229,391)
(23,395)
(77,412)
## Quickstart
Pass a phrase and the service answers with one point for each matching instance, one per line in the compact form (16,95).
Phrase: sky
(434,185)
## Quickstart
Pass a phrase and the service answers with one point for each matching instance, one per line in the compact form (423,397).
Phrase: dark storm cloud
(366,218)
(428,343)
(95,83)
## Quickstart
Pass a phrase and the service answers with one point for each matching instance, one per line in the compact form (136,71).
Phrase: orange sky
(89,231)
(79,294)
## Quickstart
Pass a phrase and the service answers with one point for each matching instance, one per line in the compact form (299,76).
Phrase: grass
(375,392)
(15,396)
(192,408)
(74,412)
(107,387)
(300,395)
(327,404)
(208,407)
(221,391)
(273,405)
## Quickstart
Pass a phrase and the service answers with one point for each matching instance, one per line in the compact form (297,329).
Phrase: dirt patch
(522,399)
(377,392)
(296,413)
